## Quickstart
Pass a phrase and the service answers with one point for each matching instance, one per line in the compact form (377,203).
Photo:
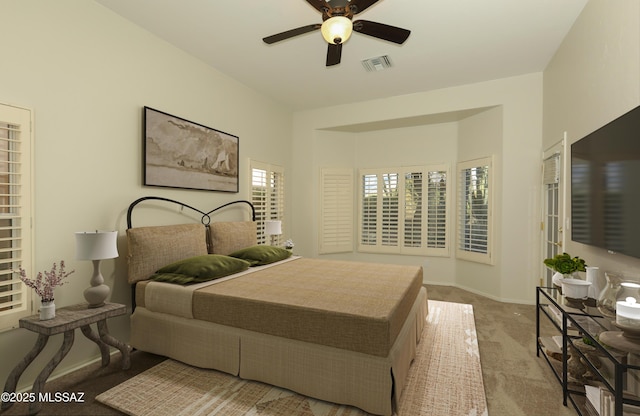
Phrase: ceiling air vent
(378,63)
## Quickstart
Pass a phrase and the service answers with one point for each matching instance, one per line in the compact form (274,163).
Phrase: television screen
(605,186)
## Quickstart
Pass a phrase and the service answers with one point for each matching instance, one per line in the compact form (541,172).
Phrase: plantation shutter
(474,211)
(259,199)
(15,213)
(267,197)
(369,214)
(404,211)
(413,221)
(437,234)
(390,210)
(336,210)
(379,212)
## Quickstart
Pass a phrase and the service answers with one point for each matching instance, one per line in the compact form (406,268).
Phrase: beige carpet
(445,379)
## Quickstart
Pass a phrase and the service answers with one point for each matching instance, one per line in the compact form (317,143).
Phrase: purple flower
(44,285)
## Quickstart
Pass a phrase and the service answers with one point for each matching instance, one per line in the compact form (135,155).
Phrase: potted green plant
(566,268)
(565,264)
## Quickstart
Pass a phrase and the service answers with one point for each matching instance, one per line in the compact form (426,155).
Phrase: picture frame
(179,153)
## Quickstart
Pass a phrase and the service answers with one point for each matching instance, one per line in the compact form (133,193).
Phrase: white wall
(481,136)
(87,73)
(594,78)
(511,132)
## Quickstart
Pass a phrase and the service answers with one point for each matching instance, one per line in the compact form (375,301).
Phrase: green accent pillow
(261,254)
(200,269)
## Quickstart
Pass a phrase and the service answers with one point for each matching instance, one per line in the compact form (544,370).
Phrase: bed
(340,331)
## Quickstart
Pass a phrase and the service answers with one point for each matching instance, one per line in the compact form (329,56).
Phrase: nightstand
(66,321)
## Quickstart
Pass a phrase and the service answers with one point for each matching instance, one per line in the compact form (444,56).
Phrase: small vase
(609,295)
(47,310)
(593,276)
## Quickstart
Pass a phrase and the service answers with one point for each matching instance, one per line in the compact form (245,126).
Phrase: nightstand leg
(103,330)
(35,406)
(12,380)
(104,348)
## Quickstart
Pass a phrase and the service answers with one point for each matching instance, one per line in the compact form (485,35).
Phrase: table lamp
(96,246)
(271,228)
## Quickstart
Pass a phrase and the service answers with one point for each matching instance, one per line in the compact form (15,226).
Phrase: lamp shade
(336,29)
(273,227)
(96,245)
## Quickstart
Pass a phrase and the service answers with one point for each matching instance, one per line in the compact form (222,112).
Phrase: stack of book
(552,346)
(601,402)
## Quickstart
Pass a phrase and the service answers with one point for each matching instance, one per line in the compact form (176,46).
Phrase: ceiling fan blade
(361,5)
(318,4)
(381,31)
(334,52)
(291,33)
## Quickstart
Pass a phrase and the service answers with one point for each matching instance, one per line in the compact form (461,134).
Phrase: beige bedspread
(349,305)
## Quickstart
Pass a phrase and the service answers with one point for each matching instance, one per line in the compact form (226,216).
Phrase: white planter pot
(575,288)
(47,311)
(557,278)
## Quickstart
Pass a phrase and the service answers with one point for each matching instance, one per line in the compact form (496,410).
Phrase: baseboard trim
(55,376)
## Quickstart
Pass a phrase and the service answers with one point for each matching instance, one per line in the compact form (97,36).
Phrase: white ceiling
(452,42)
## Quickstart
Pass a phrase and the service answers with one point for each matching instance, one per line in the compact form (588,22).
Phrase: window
(336,210)
(474,211)
(552,200)
(267,196)
(15,213)
(437,237)
(403,210)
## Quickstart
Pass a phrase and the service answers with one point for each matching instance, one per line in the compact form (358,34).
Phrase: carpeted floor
(515,381)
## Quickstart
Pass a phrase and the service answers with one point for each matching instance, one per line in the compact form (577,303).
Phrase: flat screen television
(605,186)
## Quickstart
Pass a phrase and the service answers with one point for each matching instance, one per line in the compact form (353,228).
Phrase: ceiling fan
(337,26)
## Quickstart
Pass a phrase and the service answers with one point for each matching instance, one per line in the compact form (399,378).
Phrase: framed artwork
(182,154)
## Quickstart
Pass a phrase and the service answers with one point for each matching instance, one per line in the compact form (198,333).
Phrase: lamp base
(96,295)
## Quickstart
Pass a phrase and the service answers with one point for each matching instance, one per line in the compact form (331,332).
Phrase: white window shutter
(413,209)
(369,211)
(390,210)
(336,210)
(474,211)
(268,199)
(403,210)
(437,189)
(15,213)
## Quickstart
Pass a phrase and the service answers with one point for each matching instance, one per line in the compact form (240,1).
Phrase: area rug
(445,379)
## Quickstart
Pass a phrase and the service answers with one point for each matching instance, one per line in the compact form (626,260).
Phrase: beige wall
(508,128)
(594,78)
(481,136)
(87,73)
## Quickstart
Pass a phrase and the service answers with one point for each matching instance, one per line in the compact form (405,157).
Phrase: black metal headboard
(206,220)
(206,216)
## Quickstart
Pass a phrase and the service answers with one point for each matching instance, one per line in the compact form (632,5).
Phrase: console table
(67,319)
(577,322)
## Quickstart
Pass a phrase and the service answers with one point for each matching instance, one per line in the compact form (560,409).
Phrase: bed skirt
(368,382)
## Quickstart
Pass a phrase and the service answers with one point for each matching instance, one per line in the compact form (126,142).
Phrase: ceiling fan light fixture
(337,29)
